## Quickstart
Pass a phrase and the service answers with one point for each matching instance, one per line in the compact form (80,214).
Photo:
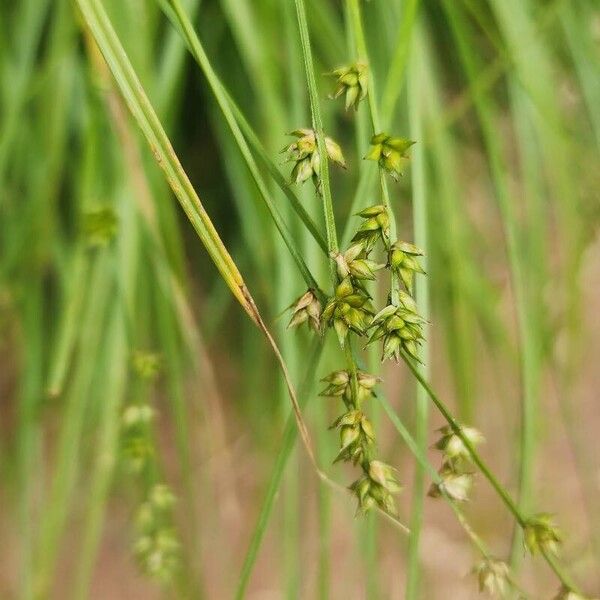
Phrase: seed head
(541,534)
(353,80)
(454,484)
(389,152)
(402,259)
(349,309)
(375,227)
(356,436)
(354,262)
(340,385)
(307,308)
(400,329)
(305,154)
(383,474)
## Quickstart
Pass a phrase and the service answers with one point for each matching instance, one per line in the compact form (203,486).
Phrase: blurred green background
(136,396)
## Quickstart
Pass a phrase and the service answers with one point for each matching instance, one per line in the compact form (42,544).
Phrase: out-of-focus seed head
(455,485)
(162,497)
(100,226)
(451,445)
(492,576)
(564,593)
(146,364)
(137,415)
(541,534)
(136,452)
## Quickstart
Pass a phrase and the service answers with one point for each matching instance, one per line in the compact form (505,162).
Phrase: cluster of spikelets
(304,153)
(455,475)
(399,328)
(156,547)
(378,483)
(350,309)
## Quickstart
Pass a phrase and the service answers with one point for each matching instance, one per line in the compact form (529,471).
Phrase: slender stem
(420,224)
(289,439)
(184,25)
(527,331)
(202,59)
(361,49)
(332,242)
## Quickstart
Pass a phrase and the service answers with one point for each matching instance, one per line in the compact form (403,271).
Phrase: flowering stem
(485,470)
(423,461)
(361,50)
(332,242)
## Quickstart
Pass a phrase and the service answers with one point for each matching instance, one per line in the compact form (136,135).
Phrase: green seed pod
(341,330)
(371,211)
(344,289)
(348,435)
(394,323)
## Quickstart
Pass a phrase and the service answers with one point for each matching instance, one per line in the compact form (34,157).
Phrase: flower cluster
(156,547)
(339,385)
(136,442)
(304,153)
(378,483)
(349,309)
(353,80)
(390,152)
(455,477)
(354,263)
(399,327)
